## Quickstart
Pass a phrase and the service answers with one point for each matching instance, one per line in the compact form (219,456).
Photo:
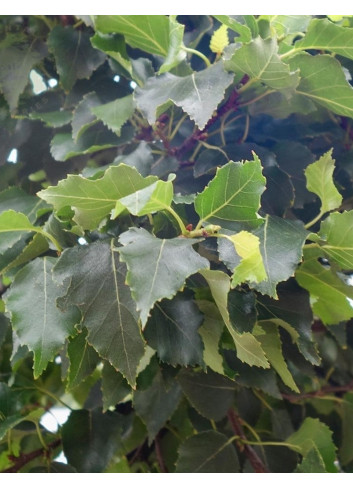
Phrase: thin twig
(330,389)
(252,456)
(159,456)
(25,458)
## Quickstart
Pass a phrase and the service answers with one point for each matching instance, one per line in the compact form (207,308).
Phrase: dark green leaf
(74,55)
(156,404)
(90,439)
(114,386)
(210,332)
(211,394)
(115,114)
(154,266)
(172,330)
(83,117)
(48,327)
(83,359)
(95,282)
(198,94)
(242,310)
(209,451)
(337,231)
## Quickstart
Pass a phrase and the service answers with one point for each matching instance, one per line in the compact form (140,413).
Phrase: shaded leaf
(209,451)
(197,94)
(242,310)
(210,331)
(83,117)
(74,55)
(155,270)
(328,293)
(114,46)
(114,114)
(176,54)
(248,348)
(83,359)
(281,245)
(232,198)
(12,227)
(323,81)
(172,330)
(319,177)
(243,31)
(156,404)
(259,60)
(315,434)
(90,439)
(114,386)
(95,282)
(346,412)
(312,462)
(33,249)
(209,393)
(49,327)
(92,200)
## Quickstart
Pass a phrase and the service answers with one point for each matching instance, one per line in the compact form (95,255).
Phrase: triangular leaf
(337,231)
(83,359)
(115,114)
(251,268)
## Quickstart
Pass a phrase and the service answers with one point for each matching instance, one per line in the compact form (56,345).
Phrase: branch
(252,456)
(25,458)
(330,389)
(159,456)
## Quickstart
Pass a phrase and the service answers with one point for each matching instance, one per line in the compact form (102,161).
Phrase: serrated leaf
(243,31)
(337,232)
(330,296)
(259,59)
(315,434)
(312,462)
(248,348)
(202,389)
(232,198)
(219,39)
(48,328)
(242,310)
(83,359)
(281,245)
(197,94)
(157,267)
(74,55)
(17,58)
(92,200)
(114,386)
(95,282)
(251,268)
(57,118)
(323,81)
(176,54)
(172,330)
(147,32)
(156,404)
(268,335)
(208,451)
(323,35)
(319,178)
(14,198)
(83,117)
(13,224)
(210,331)
(114,114)
(113,45)
(33,249)
(153,198)
(90,439)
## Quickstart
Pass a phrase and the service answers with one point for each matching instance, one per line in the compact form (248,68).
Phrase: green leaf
(156,404)
(10,405)
(16,199)
(155,197)
(315,434)
(207,452)
(57,118)
(259,59)
(92,200)
(281,245)
(243,31)
(17,58)
(115,114)
(114,386)
(172,330)
(147,32)
(251,268)
(248,348)
(114,46)
(319,177)
(337,232)
(48,328)
(157,267)
(33,249)
(176,54)
(202,389)
(74,55)
(288,24)
(14,224)
(232,198)
(330,296)
(312,462)
(269,337)
(197,94)
(242,310)
(346,412)
(95,282)
(90,439)
(210,331)
(323,81)
(83,118)
(83,359)
(323,35)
